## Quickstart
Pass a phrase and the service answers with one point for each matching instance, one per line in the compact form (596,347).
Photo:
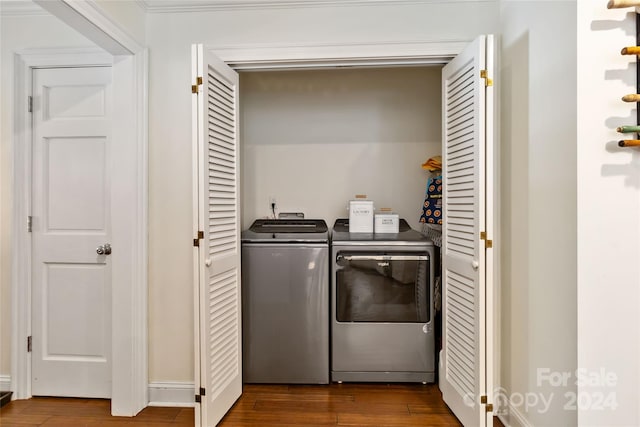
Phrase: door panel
(81,209)
(466,340)
(74,331)
(217,203)
(71,324)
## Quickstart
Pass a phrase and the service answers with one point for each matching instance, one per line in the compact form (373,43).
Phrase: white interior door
(466,359)
(217,236)
(71,282)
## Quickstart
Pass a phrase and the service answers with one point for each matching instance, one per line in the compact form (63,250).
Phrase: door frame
(262,57)
(129,292)
(129,61)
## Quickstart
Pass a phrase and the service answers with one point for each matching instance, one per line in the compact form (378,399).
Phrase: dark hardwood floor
(389,405)
(340,405)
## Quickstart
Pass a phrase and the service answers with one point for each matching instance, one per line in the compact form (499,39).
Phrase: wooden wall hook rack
(631,50)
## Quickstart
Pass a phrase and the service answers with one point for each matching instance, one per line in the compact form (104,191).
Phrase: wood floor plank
(157,424)
(279,419)
(185,416)
(385,396)
(89,411)
(66,421)
(395,421)
(329,406)
(271,388)
(23,419)
(65,406)
(313,397)
(14,407)
(432,408)
(152,414)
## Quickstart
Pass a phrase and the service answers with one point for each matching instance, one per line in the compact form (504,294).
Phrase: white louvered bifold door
(463,364)
(217,265)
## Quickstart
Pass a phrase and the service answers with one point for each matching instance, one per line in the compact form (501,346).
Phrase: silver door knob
(104,249)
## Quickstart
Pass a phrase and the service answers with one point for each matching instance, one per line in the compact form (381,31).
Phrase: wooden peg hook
(629,143)
(618,4)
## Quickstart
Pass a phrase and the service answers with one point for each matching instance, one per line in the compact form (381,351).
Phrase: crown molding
(177,6)
(21,8)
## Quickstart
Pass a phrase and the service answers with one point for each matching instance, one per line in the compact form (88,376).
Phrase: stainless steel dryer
(382,306)
(285,301)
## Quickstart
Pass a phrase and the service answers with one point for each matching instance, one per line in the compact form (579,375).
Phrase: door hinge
(29,340)
(29,223)
(488,243)
(30,103)
(483,401)
(202,392)
(196,241)
(487,81)
(194,88)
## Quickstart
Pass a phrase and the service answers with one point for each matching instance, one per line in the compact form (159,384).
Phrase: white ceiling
(195,5)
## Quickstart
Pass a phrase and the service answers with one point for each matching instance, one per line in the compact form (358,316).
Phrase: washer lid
(289,226)
(287,230)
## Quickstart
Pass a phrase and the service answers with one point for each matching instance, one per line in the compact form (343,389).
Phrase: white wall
(17,33)
(169,37)
(538,192)
(314,139)
(609,216)
(130,16)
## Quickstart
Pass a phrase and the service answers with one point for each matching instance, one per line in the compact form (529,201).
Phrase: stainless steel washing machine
(382,326)
(285,301)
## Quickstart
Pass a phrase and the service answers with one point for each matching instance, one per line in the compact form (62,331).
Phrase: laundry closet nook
(317,137)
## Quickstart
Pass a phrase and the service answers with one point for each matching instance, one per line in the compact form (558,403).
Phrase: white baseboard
(515,418)
(160,393)
(5,383)
(174,394)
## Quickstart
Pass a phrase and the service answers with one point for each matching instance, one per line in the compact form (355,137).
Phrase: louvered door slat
(221,109)
(219,128)
(222,120)
(463,109)
(457,82)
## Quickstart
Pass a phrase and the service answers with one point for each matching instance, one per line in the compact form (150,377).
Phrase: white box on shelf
(386,222)
(360,215)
